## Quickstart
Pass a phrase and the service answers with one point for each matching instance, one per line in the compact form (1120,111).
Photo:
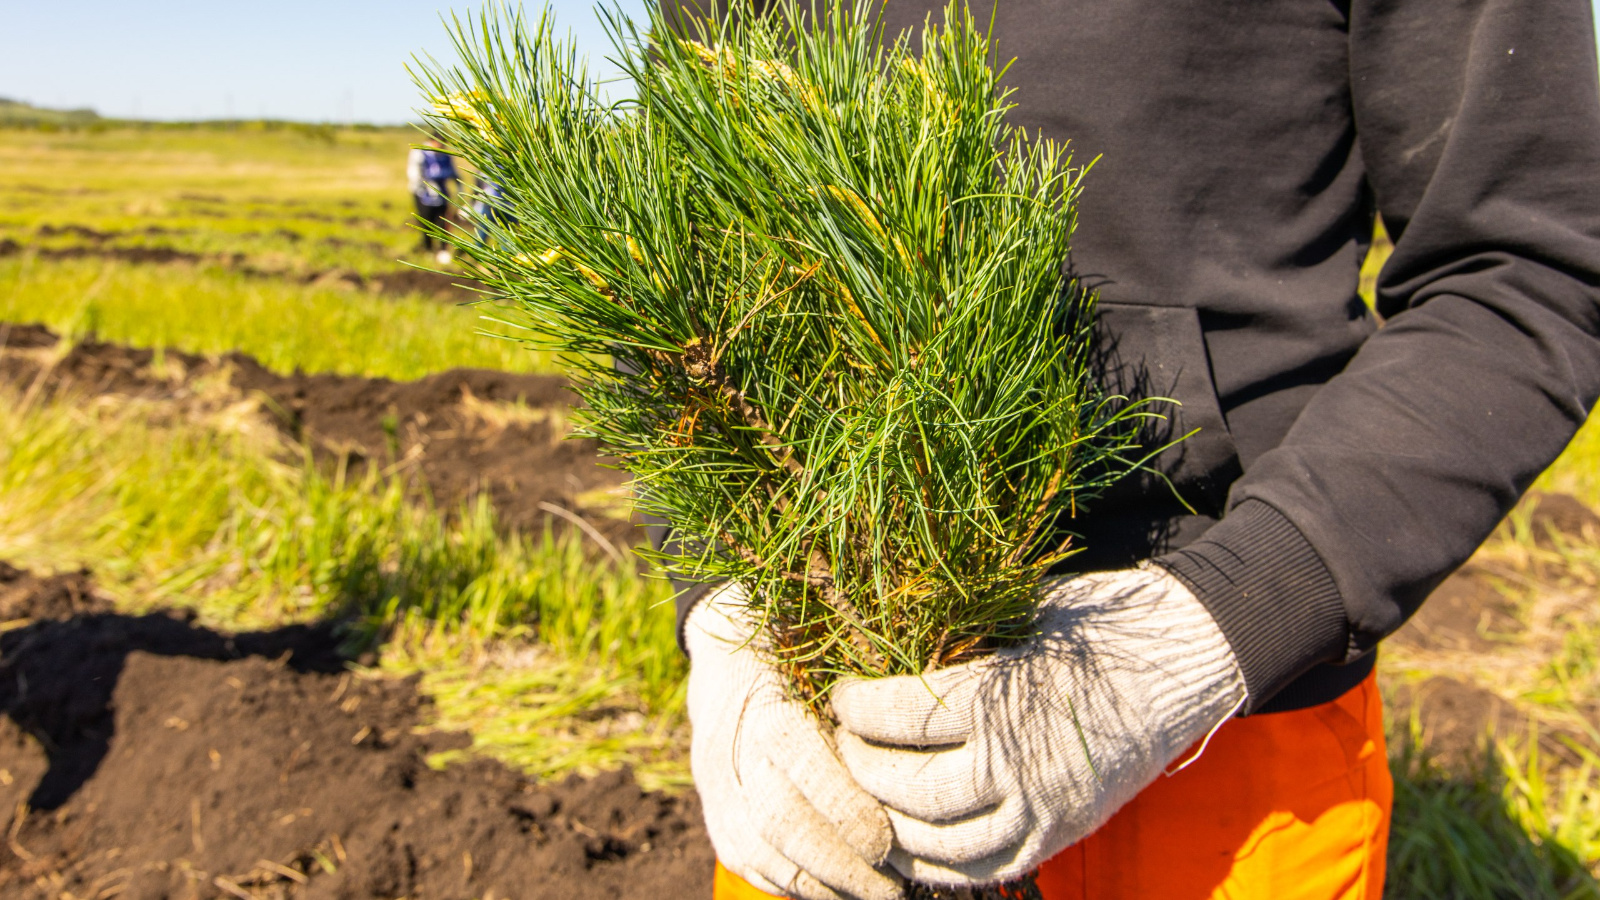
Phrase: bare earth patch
(1487,632)
(145,757)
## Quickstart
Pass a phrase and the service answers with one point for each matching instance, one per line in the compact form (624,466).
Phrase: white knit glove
(782,812)
(991,767)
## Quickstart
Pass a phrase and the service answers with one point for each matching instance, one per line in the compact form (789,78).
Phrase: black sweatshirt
(1342,470)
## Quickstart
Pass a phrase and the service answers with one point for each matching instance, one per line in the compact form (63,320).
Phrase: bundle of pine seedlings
(809,283)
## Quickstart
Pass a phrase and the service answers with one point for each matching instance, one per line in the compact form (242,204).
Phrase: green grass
(292,200)
(249,200)
(284,325)
(195,507)
(1511,830)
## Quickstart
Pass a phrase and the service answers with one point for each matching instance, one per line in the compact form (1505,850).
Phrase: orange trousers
(1286,806)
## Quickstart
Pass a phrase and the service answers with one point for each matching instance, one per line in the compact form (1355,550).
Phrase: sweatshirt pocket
(1144,352)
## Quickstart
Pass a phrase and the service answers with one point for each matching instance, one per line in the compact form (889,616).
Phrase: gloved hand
(782,812)
(991,767)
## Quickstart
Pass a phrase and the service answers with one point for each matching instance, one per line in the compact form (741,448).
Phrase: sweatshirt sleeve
(1478,123)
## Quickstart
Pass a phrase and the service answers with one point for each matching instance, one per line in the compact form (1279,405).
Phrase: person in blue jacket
(431,174)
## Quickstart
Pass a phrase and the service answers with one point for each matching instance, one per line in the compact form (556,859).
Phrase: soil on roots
(465,431)
(145,757)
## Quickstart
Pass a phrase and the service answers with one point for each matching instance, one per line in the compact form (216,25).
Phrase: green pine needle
(810,285)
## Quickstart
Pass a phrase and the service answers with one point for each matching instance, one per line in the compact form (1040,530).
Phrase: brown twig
(17,818)
(231,888)
(1040,512)
(819,575)
(590,530)
(281,870)
(782,453)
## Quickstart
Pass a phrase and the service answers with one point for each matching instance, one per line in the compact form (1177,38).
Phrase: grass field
(555,659)
(290,200)
(286,325)
(209,510)
(202,507)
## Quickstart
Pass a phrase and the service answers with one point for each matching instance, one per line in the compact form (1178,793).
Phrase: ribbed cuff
(688,595)
(1270,593)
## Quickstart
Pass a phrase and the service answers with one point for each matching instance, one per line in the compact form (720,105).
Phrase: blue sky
(336,60)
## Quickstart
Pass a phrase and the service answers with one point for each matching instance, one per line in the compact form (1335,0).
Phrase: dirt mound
(457,288)
(143,757)
(24,595)
(25,337)
(159,255)
(77,231)
(521,464)
(1561,514)
(97,244)
(396,283)
(465,431)
(1455,719)
(1464,613)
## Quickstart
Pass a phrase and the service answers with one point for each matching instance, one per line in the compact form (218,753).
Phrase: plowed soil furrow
(434,427)
(395,282)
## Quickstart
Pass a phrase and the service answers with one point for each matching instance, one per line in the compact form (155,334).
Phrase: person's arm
(414,171)
(1479,125)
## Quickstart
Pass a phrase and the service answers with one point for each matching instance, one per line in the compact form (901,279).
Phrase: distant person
(431,173)
(490,205)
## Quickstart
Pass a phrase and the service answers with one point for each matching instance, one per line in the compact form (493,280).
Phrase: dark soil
(1561,514)
(418,281)
(339,243)
(1455,718)
(145,757)
(24,595)
(159,255)
(418,427)
(97,244)
(1463,613)
(396,283)
(25,337)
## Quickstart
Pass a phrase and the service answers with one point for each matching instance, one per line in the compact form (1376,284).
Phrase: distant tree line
(20,115)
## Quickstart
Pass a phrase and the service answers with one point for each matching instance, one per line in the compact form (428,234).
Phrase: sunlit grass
(559,661)
(287,199)
(1512,828)
(283,324)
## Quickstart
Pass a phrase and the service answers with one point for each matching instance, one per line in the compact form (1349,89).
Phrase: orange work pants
(1286,806)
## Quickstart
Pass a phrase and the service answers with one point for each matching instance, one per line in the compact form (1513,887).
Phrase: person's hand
(991,767)
(782,812)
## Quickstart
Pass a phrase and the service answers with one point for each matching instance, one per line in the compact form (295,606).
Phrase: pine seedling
(809,284)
